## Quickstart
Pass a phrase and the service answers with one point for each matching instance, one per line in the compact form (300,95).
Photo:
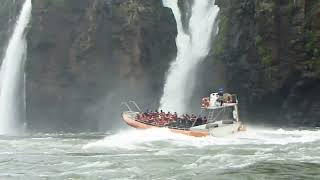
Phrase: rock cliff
(85,57)
(270,50)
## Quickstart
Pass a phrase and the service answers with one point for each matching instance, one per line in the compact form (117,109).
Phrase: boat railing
(127,105)
(220,107)
(136,105)
(212,117)
(199,115)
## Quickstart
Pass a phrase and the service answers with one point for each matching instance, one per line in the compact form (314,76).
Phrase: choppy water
(159,154)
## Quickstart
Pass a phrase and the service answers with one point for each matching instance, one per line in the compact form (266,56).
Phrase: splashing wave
(135,139)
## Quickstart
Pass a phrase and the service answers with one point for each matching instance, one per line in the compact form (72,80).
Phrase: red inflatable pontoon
(130,118)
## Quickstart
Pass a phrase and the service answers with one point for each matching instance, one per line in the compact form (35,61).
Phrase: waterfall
(193,44)
(12,74)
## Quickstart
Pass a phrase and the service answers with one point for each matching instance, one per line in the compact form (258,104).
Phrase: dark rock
(85,57)
(265,43)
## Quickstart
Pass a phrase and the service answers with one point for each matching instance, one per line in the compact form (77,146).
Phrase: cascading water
(193,46)
(12,74)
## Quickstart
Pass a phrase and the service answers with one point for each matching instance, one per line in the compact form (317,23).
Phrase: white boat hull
(220,129)
(225,129)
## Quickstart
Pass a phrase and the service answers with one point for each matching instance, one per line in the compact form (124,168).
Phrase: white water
(160,154)
(137,139)
(193,46)
(12,74)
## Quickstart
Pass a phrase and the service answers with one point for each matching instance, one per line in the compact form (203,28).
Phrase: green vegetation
(65,5)
(264,51)
(266,6)
(310,46)
(313,52)
(221,39)
(292,10)
(131,10)
(55,3)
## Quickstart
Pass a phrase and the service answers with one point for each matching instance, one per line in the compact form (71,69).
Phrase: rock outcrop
(85,57)
(271,51)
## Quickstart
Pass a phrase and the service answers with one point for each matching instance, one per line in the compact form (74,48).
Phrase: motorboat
(219,116)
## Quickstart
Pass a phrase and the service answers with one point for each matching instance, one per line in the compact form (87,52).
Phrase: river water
(160,154)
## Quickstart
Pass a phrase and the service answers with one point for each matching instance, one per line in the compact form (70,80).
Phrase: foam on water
(135,139)
(131,139)
(160,154)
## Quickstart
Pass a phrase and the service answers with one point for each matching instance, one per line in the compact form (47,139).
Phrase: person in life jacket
(205,102)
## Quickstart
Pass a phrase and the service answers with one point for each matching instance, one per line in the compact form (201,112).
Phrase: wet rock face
(85,57)
(270,51)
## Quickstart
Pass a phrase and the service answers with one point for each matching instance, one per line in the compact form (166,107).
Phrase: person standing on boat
(220,98)
(175,116)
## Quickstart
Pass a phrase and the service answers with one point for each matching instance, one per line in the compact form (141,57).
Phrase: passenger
(204,120)
(139,117)
(207,102)
(170,119)
(229,99)
(162,113)
(189,123)
(183,123)
(203,103)
(150,120)
(175,116)
(198,121)
(220,98)
(220,93)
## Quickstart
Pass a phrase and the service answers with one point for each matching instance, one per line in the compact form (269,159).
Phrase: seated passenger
(183,123)
(193,117)
(204,120)
(175,116)
(189,123)
(229,99)
(138,117)
(150,120)
(162,113)
(198,121)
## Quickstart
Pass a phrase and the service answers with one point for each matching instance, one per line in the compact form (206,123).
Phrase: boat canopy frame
(212,117)
(127,105)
